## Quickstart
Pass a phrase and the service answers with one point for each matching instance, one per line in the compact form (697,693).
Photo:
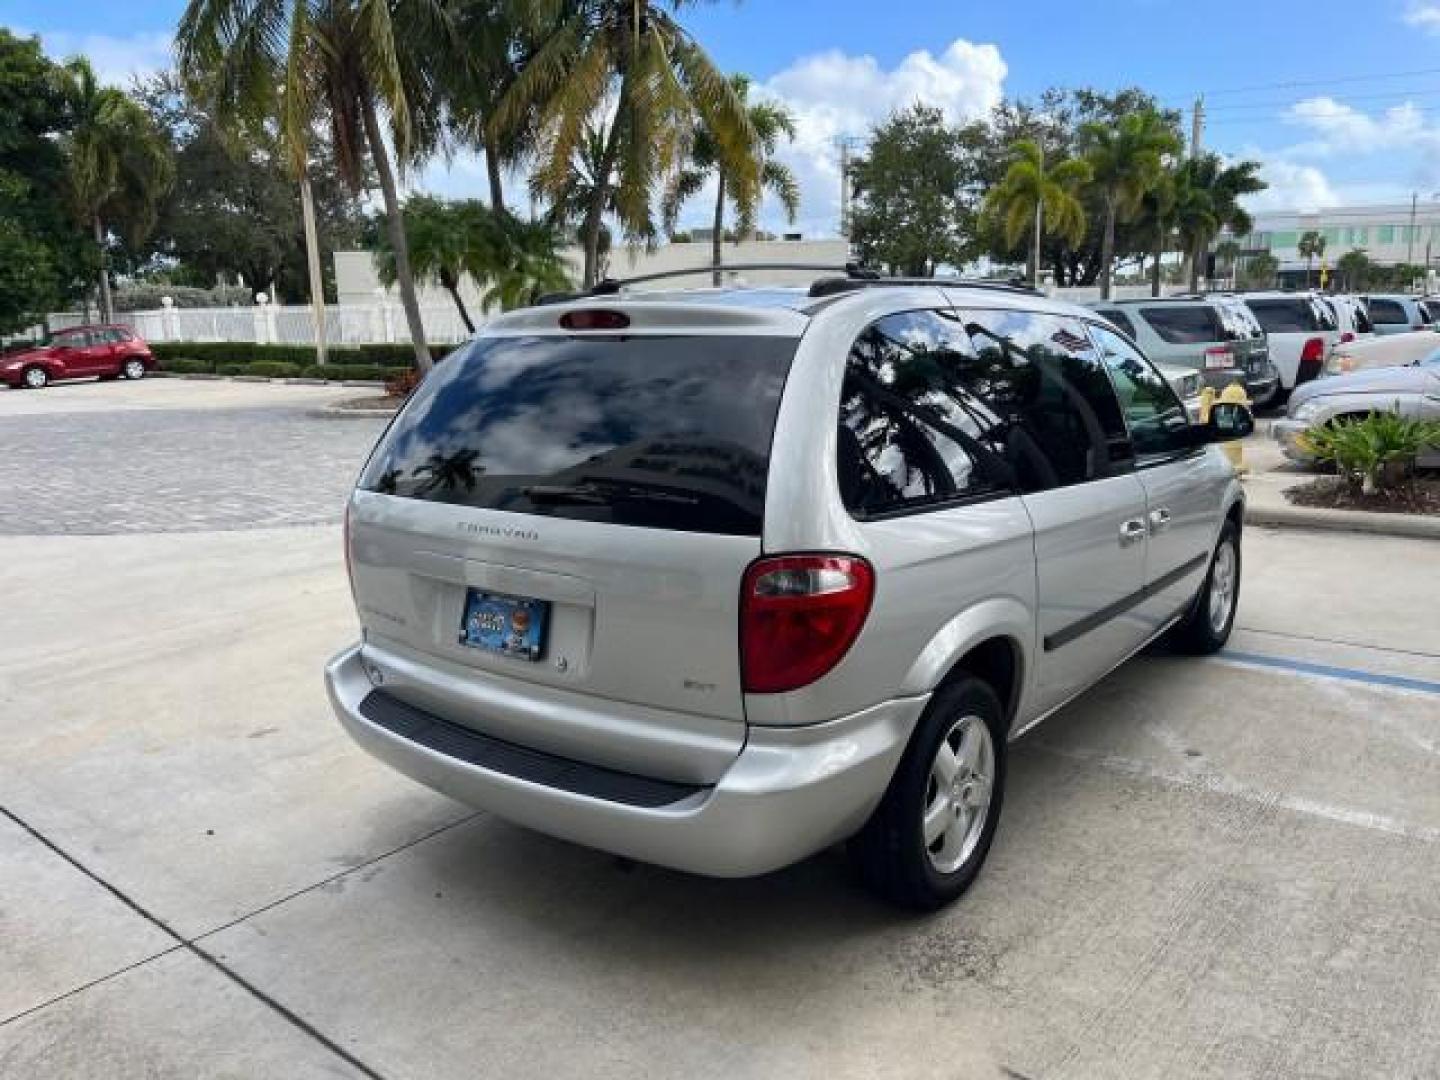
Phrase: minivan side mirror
(1228,421)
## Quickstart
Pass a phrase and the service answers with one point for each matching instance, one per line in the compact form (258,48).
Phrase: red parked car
(77,353)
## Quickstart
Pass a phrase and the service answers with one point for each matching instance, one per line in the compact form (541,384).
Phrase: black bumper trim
(521,762)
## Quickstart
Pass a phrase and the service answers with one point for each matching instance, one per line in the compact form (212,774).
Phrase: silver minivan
(717,578)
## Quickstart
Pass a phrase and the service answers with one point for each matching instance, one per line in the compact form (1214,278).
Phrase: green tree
(1208,194)
(233,209)
(913,210)
(770,123)
(1226,252)
(1156,220)
(347,63)
(1039,200)
(1126,160)
(1311,247)
(117,164)
(45,261)
(1354,269)
(634,53)
(1259,271)
(509,259)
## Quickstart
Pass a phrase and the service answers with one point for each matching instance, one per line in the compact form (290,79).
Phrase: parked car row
(1275,341)
(78,352)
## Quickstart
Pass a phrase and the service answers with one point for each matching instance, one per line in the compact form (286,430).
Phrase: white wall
(357,283)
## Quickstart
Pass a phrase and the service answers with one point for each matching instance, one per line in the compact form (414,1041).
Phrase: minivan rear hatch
(575,512)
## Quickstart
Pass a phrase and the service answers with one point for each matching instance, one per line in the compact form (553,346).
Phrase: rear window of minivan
(1285,316)
(1183,324)
(667,432)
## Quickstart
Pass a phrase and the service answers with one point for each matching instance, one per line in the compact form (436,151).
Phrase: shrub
(183,365)
(1374,452)
(274,369)
(232,369)
(242,352)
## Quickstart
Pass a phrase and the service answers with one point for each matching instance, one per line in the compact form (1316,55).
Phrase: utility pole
(844,185)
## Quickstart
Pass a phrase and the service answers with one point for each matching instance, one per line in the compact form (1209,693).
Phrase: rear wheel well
(1236,515)
(995,661)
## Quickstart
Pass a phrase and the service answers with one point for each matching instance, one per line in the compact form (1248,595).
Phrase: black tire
(34,378)
(890,851)
(1198,633)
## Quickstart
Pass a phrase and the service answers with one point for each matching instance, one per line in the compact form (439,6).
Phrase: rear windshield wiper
(603,492)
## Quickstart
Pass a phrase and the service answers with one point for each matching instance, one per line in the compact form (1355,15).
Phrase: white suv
(715,579)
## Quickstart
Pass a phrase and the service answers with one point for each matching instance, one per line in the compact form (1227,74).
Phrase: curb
(1415,526)
(335,412)
(363,384)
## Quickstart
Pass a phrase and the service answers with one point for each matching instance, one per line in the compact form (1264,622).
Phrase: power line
(1334,80)
(1393,95)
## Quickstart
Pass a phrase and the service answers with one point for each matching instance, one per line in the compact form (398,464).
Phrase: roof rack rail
(850,276)
(835,285)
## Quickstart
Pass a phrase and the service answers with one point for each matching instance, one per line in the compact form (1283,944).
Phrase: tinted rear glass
(1430,310)
(669,432)
(1287,316)
(1386,312)
(1182,325)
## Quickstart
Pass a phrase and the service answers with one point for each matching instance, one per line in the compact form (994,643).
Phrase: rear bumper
(789,793)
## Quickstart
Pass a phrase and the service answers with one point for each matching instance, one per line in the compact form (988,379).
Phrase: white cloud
(834,94)
(1293,187)
(116,60)
(1342,129)
(1424,15)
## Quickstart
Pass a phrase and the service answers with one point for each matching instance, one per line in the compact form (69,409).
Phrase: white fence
(274,324)
(1082,294)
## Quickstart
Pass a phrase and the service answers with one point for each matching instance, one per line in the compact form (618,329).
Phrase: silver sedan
(1412,390)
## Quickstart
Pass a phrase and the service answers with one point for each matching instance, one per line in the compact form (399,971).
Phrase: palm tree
(634,55)
(530,263)
(1126,160)
(1311,246)
(440,236)
(770,122)
(1208,200)
(1157,221)
(1042,201)
(1226,252)
(117,163)
(344,61)
(509,258)
(570,203)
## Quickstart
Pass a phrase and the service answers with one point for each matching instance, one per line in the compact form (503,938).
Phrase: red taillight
(799,615)
(1346,336)
(1217,356)
(1313,352)
(594,320)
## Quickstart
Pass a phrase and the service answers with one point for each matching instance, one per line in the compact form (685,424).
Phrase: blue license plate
(508,625)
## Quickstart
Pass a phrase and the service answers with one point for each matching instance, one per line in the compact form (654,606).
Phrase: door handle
(1132,532)
(1159,520)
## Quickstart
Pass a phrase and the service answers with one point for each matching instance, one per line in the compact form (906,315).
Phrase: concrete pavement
(1205,868)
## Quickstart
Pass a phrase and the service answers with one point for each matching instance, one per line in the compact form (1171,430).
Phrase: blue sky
(1340,101)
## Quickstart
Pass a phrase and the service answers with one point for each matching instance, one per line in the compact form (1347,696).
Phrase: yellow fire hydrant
(1234,394)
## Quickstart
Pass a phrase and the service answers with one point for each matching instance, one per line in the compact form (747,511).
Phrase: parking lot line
(1329,671)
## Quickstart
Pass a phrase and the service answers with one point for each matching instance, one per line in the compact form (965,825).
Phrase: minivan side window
(907,436)
(1386,312)
(1052,412)
(1156,418)
(1181,324)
